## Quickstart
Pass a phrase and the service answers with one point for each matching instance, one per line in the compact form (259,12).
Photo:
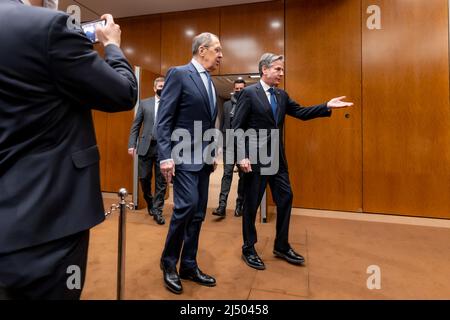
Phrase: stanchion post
(122,245)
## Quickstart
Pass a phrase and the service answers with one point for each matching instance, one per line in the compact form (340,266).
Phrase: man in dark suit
(50,79)
(188,110)
(260,111)
(229,108)
(148,152)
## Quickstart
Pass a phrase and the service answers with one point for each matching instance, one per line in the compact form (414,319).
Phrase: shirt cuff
(164,161)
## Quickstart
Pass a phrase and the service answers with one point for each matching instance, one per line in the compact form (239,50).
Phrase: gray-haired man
(264,106)
(188,98)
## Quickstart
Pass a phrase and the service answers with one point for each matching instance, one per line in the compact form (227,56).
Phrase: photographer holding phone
(50,79)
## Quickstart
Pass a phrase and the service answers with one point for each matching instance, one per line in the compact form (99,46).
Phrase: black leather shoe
(198,276)
(290,256)
(254,261)
(171,279)
(150,212)
(220,212)
(238,211)
(159,218)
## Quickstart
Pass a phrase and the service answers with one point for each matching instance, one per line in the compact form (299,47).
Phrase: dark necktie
(273,103)
(210,94)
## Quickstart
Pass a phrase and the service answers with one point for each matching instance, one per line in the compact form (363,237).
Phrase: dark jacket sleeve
(306,113)
(225,122)
(82,76)
(168,106)
(135,127)
(240,119)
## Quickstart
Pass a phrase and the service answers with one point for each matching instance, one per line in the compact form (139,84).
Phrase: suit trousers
(254,187)
(190,195)
(146,164)
(44,272)
(227,179)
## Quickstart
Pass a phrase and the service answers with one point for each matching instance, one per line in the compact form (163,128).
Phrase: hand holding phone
(110,33)
(90,29)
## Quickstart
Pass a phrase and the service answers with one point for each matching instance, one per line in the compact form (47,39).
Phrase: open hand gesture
(338,103)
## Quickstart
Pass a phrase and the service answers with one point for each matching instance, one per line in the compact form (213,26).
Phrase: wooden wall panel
(406,111)
(141,41)
(323,60)
(178,30)
(119,165)
(248,31)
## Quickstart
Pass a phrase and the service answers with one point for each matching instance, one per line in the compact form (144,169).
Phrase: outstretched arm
(338,103)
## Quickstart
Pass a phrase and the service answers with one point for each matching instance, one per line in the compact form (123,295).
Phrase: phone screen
(90,27)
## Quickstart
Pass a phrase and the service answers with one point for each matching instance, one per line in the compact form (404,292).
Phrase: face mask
(158,92)
(236,94)
(51,4)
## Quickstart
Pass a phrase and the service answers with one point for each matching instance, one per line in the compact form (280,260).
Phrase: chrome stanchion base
(122,205)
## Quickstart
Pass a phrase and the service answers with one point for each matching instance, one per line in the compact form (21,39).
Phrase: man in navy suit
(50,79)
(188,105)
(261,108)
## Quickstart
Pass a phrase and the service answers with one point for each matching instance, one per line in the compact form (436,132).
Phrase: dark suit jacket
(184,100)
(50,78)
(226,119)
(253,111)
(145,115)
(227,113)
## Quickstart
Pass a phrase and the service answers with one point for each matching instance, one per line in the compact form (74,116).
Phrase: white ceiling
(91,9)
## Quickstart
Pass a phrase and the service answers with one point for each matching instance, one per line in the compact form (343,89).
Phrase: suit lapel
(264,101)
(152,111)
(195,76)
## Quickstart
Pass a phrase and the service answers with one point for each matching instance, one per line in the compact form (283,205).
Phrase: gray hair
(158,80)
(267,59)
(203,39)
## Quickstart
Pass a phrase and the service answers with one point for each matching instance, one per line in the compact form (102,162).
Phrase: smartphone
(90,27)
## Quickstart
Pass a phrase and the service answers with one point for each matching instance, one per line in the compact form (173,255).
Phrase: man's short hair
(158,80)
(267,59)
(240,81)
(203,39)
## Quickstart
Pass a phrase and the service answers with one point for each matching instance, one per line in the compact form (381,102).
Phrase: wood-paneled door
(248,31)
(323,60)
(177,31)
(406,112)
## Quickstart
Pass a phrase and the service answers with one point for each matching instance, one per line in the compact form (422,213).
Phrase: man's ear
(264,69)
(201,51)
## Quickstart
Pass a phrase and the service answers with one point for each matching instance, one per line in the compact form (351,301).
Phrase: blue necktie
(273,103)
(210,94)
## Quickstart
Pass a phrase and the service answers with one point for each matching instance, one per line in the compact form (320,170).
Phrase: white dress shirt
(202,71)
(156,106)
(266,88)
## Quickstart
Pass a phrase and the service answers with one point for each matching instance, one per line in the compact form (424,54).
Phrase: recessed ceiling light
(275,24)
